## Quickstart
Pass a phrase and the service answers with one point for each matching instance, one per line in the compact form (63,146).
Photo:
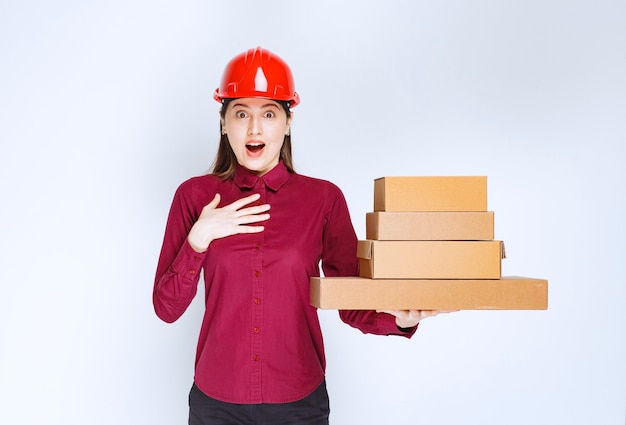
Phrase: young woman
(259,230)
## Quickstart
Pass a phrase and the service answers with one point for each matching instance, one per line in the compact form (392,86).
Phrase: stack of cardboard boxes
(430,246)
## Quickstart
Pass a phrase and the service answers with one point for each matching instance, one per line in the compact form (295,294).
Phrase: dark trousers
(311,410)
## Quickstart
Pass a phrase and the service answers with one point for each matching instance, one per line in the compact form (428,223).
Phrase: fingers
(240,203)
(243,215)
(409,318)
(211,205)
(238,207)
(432,313)
(214,202)
(255,210)
(406,312)
(251,219)
(250,229)
(422,314)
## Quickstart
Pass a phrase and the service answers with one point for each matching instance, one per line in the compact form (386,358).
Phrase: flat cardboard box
(430,259)
(357,293)
(431,193)
(430,226)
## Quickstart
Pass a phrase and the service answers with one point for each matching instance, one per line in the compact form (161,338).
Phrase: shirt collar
(273,179)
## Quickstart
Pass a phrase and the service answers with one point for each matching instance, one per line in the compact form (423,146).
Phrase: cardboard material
(354,293)
(430,259)
(430,226)
(431,193)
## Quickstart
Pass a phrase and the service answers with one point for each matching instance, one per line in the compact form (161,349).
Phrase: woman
(259,230)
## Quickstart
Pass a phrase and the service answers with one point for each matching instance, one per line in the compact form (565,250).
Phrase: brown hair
(226,162)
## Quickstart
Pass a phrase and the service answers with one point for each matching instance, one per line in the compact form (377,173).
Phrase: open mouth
(255,147)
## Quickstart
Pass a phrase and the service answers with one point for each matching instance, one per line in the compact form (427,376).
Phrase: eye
(240,114)
(269,114)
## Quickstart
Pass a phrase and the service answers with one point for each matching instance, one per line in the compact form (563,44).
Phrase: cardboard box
(430,259)
(423,193)
(430,226)
(354,293)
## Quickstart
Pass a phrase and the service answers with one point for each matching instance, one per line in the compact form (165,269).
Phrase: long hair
(226,162)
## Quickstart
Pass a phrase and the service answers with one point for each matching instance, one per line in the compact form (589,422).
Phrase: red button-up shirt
(260,340)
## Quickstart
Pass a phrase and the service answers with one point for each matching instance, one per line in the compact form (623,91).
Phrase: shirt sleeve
(370,322)
(339,259)
(179,266)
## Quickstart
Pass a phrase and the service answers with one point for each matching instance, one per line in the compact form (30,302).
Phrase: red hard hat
(257,73)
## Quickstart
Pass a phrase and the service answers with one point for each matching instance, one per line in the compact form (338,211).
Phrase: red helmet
(257,73)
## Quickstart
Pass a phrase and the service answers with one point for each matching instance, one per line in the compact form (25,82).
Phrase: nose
(254,126)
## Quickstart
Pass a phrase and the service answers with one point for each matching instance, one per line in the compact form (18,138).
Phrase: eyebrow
(248,106)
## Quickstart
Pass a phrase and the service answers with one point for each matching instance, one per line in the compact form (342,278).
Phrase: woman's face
(256,129)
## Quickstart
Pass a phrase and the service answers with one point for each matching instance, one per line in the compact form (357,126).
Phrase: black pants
(311,410)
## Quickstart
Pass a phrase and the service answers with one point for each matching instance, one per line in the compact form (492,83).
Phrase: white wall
(105,107)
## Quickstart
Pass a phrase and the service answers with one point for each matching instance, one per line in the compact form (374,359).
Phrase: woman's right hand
(215,223)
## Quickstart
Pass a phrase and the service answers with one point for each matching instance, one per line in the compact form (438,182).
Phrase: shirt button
(258,246)
(192,272)
(257,273)
(256,330)
(256,358)
(257,300)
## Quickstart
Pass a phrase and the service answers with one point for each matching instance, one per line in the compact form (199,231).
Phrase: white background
(106,106)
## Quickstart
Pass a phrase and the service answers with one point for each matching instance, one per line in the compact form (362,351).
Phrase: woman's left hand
(410,318)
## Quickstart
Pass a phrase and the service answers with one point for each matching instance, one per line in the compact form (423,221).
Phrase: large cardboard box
(431,193)
(354,293)
(430,259)
(430,226)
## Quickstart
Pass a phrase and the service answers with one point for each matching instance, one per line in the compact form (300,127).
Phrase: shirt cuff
(188,262)
(388,323)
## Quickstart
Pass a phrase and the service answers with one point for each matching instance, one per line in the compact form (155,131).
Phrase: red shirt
(260,340)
